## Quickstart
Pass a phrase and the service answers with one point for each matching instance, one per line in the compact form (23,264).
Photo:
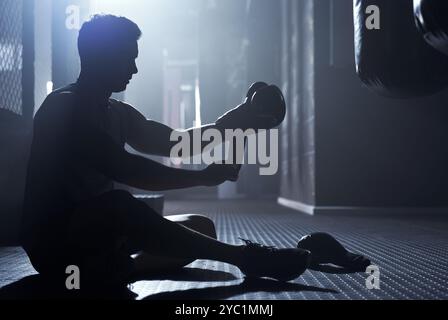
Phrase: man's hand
(215,174)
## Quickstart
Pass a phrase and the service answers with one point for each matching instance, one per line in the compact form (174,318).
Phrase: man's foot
(280,264)
(326,249)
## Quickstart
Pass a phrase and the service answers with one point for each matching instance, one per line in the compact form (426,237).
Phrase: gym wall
(369,151)
(16,109)
(298,174)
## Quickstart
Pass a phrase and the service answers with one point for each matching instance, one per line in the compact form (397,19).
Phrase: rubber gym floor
(411,255)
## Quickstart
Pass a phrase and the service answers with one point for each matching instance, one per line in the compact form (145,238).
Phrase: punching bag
(431,17)
(392,58)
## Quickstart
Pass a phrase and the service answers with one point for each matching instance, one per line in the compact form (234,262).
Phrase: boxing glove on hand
(263,108)
(253,89)
(268,104)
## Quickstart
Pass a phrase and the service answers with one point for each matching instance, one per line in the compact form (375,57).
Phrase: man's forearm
(150,175)
(193,132)
(198,131)
(99,151)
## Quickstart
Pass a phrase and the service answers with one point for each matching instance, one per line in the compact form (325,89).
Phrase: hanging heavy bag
(431,18)
(392,58)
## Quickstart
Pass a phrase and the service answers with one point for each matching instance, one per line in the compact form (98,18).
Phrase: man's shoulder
(124,108)
(64,95)
(57,103)
(65,98)
(120,104)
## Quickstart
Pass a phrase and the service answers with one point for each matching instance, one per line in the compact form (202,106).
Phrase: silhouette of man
(72,213)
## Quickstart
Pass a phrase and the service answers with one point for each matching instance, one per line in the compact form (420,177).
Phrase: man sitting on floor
(73,215)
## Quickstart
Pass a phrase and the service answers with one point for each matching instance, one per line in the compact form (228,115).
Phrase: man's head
(107,46)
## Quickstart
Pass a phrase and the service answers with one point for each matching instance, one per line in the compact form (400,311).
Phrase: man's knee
(205,224)
(196,222)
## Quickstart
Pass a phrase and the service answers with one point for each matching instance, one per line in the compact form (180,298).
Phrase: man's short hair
(105,32)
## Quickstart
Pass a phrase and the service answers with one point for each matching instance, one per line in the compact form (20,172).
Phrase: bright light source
(138,8)
(197,100)
(186,88)
(49,87)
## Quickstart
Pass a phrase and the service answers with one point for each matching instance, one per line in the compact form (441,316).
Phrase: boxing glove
(263,108)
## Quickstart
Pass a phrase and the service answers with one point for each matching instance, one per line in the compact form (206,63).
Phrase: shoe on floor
(266,261)
(326,249)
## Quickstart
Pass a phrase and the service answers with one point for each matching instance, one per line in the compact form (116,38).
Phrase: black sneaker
(271,262)
(327,250)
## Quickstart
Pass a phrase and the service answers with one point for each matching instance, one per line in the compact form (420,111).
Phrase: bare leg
(147,231)
(145,262)
(117,215)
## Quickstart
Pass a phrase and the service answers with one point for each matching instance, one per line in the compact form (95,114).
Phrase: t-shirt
(74,149)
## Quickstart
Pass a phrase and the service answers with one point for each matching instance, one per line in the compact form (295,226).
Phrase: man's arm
(152,137)
(69,130)
(102,153)
(263,108)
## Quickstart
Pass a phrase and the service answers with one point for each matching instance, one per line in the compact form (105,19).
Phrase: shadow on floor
(189,274)
(228,291)
(328,268)
(42,288)
(37,287)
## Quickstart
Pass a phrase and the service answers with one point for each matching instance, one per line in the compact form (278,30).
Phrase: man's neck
(94,90)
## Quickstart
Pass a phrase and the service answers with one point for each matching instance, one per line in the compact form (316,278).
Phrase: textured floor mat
(411,253)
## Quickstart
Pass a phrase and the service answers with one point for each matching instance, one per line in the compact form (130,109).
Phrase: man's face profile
(108,49)
(119,65)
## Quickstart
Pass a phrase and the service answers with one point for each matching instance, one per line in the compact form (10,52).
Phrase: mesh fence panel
(11,55)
